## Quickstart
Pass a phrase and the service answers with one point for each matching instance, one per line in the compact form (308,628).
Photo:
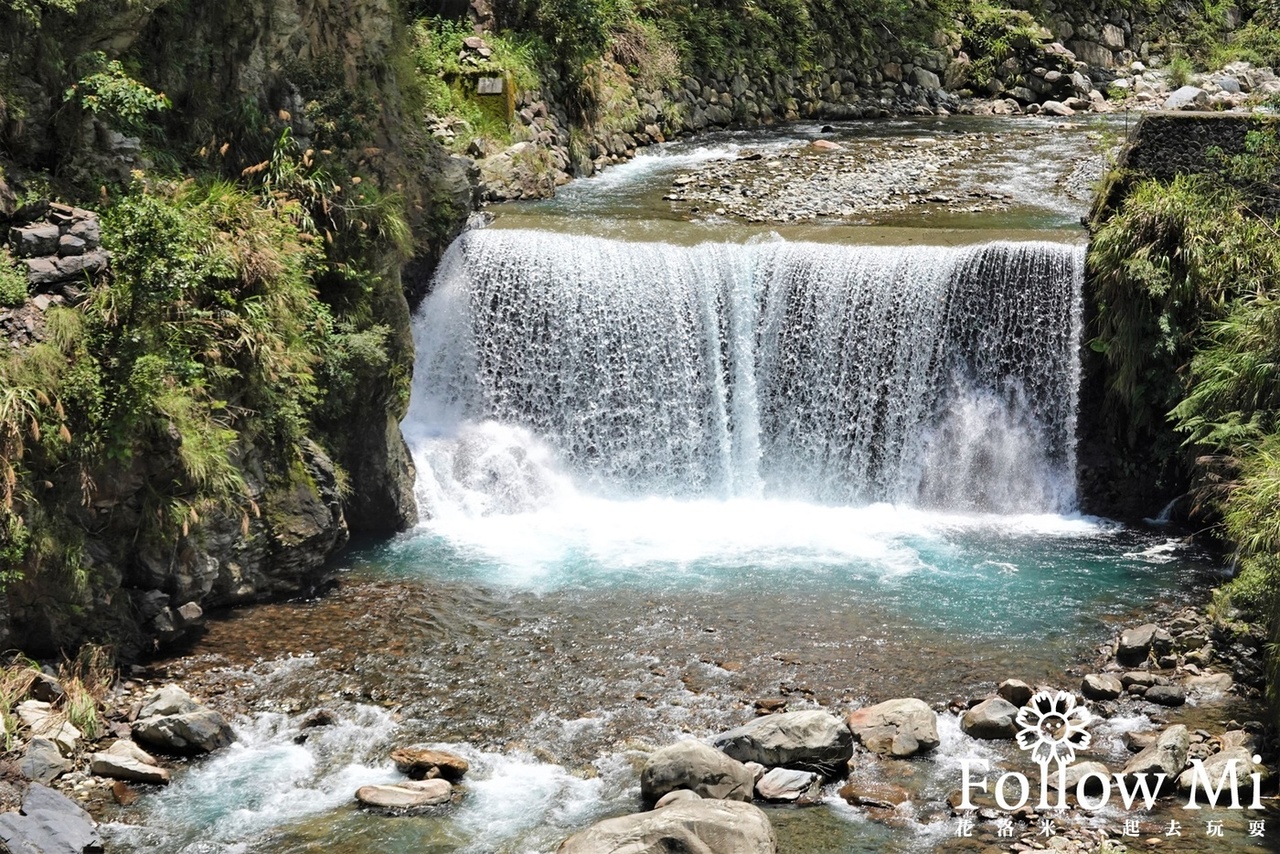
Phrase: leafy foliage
(991,34)
(1188,274)
(13,281)
(33,11)
(109,92)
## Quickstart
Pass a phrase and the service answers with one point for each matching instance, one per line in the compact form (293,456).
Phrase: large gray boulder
(42,762)
(48,823)
(812,740)
(991,719)
(1135,644)
(689,826)
(201,731)
(166,701)
(695,766)
(172,722)
(1186,98)
(1101,686)
(1167,755)
(902,727)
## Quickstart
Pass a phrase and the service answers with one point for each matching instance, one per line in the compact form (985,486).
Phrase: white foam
(264,780)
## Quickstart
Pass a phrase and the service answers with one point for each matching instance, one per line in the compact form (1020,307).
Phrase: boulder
(199,731)
(42,762)
(410,794)
(785,784)
(1210,684)
(1167,755)
(1056,108)
(1101,686)
(1077,772)
(1240,738)
(812,740)
(125,760)
(1093,53)
(694,826)
(1216,766)
(677,795)
(423,764)
(1186,98)
(44,722)
(1015,691)
(1165,695)
(33,240)
(925,78)
(1137,643)
(991,719)
(169,700)
(902,727)
(1138,677)
(695,766)
(48,823)
(1136,742)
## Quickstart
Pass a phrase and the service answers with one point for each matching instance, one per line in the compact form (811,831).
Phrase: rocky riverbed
(854,179)
(1160,696)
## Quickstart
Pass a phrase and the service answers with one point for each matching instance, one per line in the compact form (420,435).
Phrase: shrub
(13,281)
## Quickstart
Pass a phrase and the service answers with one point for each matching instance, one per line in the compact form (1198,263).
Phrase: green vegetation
(13,281)
(1210,36)
(1188,281)
(992,34)
(208,338)
(443,77)
(106,90)
(85,681)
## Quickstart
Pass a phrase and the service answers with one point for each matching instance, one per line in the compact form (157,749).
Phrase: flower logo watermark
(1053,728)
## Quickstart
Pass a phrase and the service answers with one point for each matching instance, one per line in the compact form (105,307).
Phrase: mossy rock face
(303,513)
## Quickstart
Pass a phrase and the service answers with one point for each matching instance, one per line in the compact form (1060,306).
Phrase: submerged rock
(812,740)
(420,763)
(695,766)
(701,826)
(875,794)
(48,823)
(902,727)
(410,794)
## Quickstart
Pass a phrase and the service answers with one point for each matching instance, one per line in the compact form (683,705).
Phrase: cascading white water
(940,377)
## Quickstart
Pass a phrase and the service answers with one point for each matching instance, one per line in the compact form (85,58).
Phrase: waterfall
(938,377)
